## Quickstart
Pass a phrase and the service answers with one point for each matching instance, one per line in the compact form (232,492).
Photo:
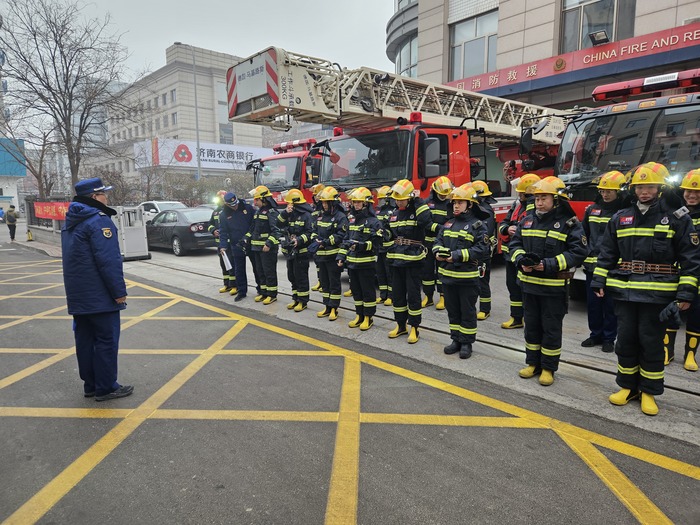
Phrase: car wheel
(178,250)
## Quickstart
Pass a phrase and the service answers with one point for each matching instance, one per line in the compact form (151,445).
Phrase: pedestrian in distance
(460,247)
(11,221)
(384,273)
(235,221)
(263,240)
(649,263)
(485,197)
(229,275)
(440,212)
(95,288)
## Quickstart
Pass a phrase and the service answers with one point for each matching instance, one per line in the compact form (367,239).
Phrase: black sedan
(180,230)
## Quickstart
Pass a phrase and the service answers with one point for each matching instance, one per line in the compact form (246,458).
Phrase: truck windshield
(372,160)
(623,141)
(279,174)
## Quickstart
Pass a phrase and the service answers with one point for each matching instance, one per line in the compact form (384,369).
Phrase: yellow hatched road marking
(77,413)
(247,415)
(32,317)
(13,279)
(451,421)
(25,295)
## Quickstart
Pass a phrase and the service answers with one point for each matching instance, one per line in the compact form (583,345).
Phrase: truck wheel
(178,250)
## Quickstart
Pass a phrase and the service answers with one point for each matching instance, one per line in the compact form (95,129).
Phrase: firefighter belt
(642,267)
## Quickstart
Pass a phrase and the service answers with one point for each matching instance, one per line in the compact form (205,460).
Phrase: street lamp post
(196,109)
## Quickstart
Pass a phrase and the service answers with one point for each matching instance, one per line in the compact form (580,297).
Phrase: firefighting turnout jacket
(466,237)
(408,228)
(331,231)
(657,237)
(359,250)
(297,225)
(264,230)
(441,212)
(515,214)
(557,238)
(384,214)
(595,220)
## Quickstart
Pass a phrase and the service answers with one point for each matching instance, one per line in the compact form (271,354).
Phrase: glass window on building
(173,96)
(473,46)
(164,98)
(407,58)
(155,102)
(582,17)
(225,133)
(401,4)
(165,121)
(174,119)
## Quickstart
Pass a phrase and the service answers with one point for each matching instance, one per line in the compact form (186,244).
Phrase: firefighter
(316,190)
(486,199)
(331,231)
(648,262)
(601,310)
(507,227)
(691,195)
(546,247)
(295,223)
(383,266)
(359,253)
(349,210)
(441,212)
(234,222)
(263,240)
(229,275)
(459,248)
(408,225)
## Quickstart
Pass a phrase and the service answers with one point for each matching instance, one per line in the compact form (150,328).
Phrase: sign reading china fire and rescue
(169,153)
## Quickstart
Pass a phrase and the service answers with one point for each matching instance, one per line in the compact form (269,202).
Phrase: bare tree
(63,66)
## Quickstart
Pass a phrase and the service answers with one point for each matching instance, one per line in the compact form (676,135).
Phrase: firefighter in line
(486,199)
(331,231)
(525,204)
(441,212)
(359,254)
(234,223)
(386,207)
(459,248)
(316,190)
(350,211)
(408,225)
(298,230)
(229,275)
(263,241)
(601,310)
(691,196)
(648,262)
(547,247)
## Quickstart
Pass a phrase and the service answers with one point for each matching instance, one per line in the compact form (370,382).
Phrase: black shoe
(89,394)
(239,297)
(122,391)
(591,342)
(465,351)
(608,347)
(452,348)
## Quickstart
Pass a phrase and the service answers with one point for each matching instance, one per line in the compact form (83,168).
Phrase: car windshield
(373,159)
(279,174)
(197,214)
(171,206)
(593,146)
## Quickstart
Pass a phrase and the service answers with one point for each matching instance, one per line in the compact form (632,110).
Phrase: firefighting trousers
(514,291)
(298,275)
(602,321)
(460,301)
(429,274)
(329,276)
(485,287)
(384,270)
(266,264)
(405,295)
(544,317)
(363,291)
(229,275)
(96,346)
(640,347)
(692,330)
(240,279)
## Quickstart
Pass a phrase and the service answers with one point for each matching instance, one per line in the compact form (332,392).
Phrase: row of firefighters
(638,245)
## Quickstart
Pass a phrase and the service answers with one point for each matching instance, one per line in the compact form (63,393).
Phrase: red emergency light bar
(687,81)
(304,144)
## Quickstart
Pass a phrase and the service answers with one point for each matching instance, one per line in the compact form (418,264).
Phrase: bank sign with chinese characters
(661,48)
(170,153)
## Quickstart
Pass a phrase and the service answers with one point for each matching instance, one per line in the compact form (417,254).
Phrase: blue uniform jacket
(234,224)
(92,263)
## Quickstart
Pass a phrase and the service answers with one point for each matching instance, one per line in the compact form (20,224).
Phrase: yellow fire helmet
(317,188)
(612,180)
(525,183)
(558,184)
(442,186)
(260,192)
(329,193)
(691,181)
(294,196)
(402,190)
(547,186)
(650,173)
(465,192)
(361,194)
(384,192)
(482,189)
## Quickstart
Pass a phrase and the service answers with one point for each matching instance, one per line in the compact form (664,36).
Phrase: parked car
(181,230)
(153,208)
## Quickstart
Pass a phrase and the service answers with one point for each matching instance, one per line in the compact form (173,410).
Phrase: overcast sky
(350,32)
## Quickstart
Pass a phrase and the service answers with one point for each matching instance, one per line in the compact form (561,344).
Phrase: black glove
(530,259)
(671,315)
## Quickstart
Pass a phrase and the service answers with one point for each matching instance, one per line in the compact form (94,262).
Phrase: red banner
(51,210)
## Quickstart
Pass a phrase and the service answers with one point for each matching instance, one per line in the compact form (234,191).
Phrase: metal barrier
(131,228)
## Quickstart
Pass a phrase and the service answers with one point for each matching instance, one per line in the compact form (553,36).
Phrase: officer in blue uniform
(95,288)
(235,220)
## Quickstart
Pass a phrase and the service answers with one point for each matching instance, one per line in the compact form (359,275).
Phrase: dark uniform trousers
(429,275)
(514,291)
(384,276)
(96,345)
(460,301)
(298,275)
(601,314)
(363,292)
(406,295)
(544,317)
(329,275)
(640,347)
(266,264)
(485,288)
